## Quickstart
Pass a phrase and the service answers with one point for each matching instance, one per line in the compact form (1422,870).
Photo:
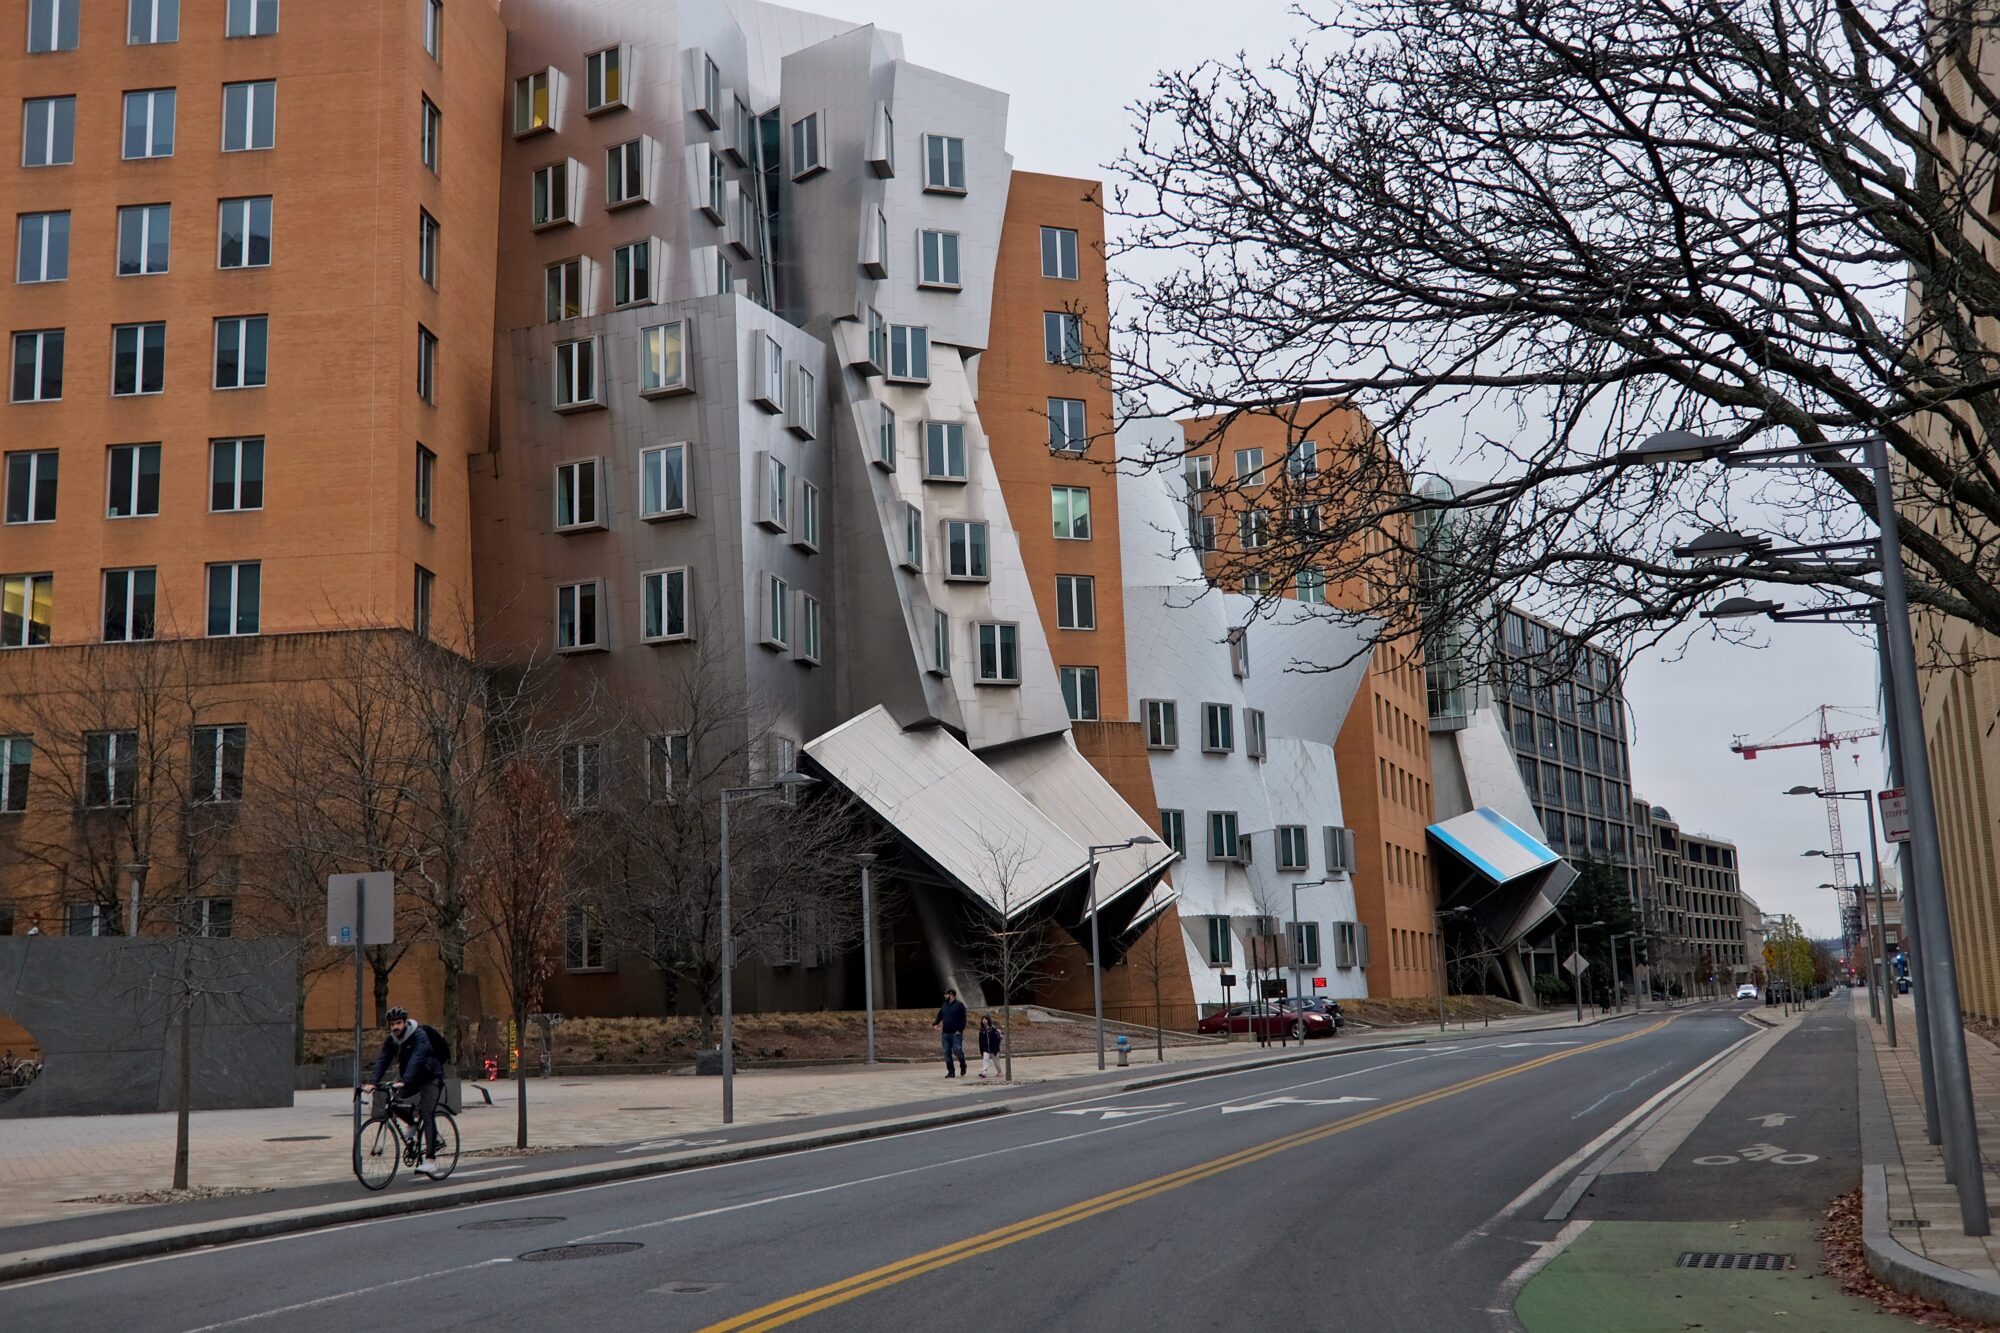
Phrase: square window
(252,18)
(1059,253)
(1076,601)
(52,25)
(1072,512)
(244,233)
(1250,467)
(1062,338)
(241,343)
(769,389)
(999,653)
(218,763)
(1218,941)
(965,545)
(1305,943)
(576,375)
(774,495)
(1292,847)
(26,602)
(16,758)
(625,174)
(31,486)
(48,132)
(1223,841)
(128,605)
(133,474)
(427,355)
(665,610)
(1079,687)
(235,594)
(604,80)
(110,774)
(149,124)
(577,628)
(42,254)
(1253,530)
(1312,587)
(1066,430)
(663,482)
(1302,460)
(533,103)
(426,478)
(576,495)
(550,203)
(1218,728)
(663,359)
(944,164)
(562,286)
(944,451)
(1163,725)
(38,366)
(910,353)
(434,29)
(249,116)
(138,359)
(808,150)
(427,248)
(669,764)
(632,275)
(582,777)
(802,410)
(937,259)
(430,133)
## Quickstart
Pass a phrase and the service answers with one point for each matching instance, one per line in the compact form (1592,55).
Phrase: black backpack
(439,1046)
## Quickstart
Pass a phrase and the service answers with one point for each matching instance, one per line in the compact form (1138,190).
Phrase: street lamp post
(1096,962)
(1440,917)
(784,782)
(1298,941)
(867,860)
(1576,951)
(1861,871)
(1881,949)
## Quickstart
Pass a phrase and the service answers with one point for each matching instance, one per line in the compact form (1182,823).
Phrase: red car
(1269,1020)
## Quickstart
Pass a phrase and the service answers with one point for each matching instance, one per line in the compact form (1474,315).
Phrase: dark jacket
(951,1016)
(418,1064)
(989,1040)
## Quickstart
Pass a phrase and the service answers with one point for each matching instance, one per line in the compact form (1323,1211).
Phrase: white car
(1746,992)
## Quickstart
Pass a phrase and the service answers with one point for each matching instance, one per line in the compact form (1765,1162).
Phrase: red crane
(1828,740)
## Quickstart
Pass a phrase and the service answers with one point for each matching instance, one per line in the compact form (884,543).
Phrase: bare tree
(1156,958)
(1010,947)
(1519,238)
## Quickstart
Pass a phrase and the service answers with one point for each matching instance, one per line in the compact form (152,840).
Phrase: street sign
(343,893)
(1228,980)
(1274,990)
(1575,964)
(1319,983)
(1895,814)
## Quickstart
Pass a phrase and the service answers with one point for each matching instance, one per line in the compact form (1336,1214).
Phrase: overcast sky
(1072,67)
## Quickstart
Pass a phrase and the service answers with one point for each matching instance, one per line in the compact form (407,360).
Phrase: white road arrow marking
(1771,1121)
(1117,1112)
(1292,1101)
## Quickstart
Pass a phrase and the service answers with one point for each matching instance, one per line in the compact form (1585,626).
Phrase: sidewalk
(1913,1232)
(64,1167)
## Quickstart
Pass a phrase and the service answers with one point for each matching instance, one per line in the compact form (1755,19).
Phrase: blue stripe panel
(1498,848)
(1542,853)
(1479,863)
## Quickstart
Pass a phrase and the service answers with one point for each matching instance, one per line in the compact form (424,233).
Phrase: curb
(1890,1260)
(170,1240)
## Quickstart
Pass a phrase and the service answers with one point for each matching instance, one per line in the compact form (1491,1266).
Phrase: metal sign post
(360,911)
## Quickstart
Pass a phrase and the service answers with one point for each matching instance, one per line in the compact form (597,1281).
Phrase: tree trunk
(1007,1034)
(451,952)
(184,1099)
(377,956)
(1159,1015)
(521,1076)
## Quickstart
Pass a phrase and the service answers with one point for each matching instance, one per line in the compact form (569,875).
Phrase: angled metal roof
(1061,783)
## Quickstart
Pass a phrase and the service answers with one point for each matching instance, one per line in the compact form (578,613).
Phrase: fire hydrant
(1124,1052)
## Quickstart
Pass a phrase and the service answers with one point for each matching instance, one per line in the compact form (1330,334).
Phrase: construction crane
(1828,740)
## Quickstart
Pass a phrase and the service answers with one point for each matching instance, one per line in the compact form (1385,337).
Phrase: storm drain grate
(1907,1223)
(684,1288)
(596,1250)
(1725,1259)
(507,1223)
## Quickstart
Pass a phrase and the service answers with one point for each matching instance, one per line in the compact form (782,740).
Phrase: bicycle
(392,1137)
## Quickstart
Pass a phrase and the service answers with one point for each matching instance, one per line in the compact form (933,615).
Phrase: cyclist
(420,1075)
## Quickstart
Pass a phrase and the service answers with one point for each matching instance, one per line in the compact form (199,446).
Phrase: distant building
(1691,907)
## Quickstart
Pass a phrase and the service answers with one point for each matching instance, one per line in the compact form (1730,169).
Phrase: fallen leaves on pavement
(1840,1234)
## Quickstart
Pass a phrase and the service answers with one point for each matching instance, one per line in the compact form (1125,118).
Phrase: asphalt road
(1384,1189)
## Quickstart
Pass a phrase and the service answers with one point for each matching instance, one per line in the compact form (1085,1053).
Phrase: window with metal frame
(1163,726)
(1076,602)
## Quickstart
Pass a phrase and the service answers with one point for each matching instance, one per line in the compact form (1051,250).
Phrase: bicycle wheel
(378,1151)
(447,1153)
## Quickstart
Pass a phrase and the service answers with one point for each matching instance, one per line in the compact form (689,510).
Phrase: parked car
(1746,992)
(1275,1019)
(1318,1005)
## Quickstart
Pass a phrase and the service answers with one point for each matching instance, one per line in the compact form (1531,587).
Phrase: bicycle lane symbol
(1758,1152)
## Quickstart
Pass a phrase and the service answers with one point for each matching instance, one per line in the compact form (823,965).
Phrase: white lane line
(491,1170)
(1502,1308)
(346,1295)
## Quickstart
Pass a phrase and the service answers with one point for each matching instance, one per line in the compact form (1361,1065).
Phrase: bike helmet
(398,1014)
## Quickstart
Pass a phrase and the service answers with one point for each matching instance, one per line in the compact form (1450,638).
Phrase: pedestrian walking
(950,1022)
(989,1045)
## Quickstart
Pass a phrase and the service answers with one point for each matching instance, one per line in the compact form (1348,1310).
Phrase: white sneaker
(427,1167)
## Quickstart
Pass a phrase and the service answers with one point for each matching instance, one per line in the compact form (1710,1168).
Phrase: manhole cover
(508,1223)
(595,1250)
(1723,1259)
(681,1288)
(1907,1223)
(299,1138)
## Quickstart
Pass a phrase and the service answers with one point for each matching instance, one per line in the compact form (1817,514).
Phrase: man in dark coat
(420,1075)
(950,1022)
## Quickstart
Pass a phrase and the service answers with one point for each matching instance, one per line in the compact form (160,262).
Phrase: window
(710,107)
(16,756)
(1173,830)
(1239,651)
(1254,743)
(25,607)
(427,355)
(937,259)
(603,80)
(434,29)
(809,629)
(806,534)
(743,136)
(1312,587)
(965,551)
(1256,583)
(669,763)
(1059,253)
(422,584)
(913,537)
(240,343)
(430,133)
(249,116)
(663,481)
(252,18)
(1252,529)
(940,644)
(52,25)
(944,164)
(769,390)
(909,352)
(110,769)
(138,358)
(42,254)
(1223,842)
(1062,338)
(1066,433)
(808,153)
(426,477)
(576,617)
(1219,954)
(777,612)
(885,439)
(576,495)
(625,174)
(944,451)
(663,359)
(1250,466)
(245,233)
(999,653)
(427,247)
(1218,728)
(1302,460)
(586,947)
(663,605)
(532,103)
(802,410)
(882,142)
(550,196)
(31,486)
(632,274)
(218,763)
(562,286)
(774,496)
(1079,687)
(134,481)
(149,124)
(48,132)
(209,918)
(716,202)
(1305,943)
(875,247)
(1072,512)
(582,775)
(1292,847)
(128,605)
(235,593)
(1340,848)
(1163,726)
(1076,601)
(576,374)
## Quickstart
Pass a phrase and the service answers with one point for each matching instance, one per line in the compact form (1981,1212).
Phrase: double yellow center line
(806,1303)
